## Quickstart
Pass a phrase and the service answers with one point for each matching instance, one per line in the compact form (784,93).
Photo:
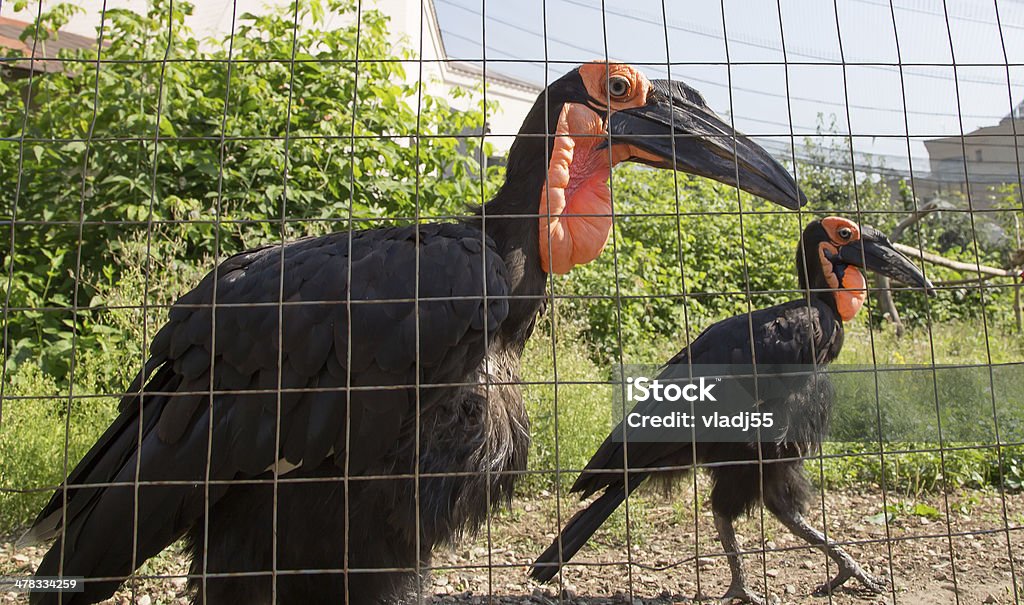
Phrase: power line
(867,160)
(922,11)
(697,79)
(801,130)
(748,40)
(785,155)
(708,33)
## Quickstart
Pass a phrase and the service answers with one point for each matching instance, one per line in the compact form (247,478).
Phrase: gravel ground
(912,552)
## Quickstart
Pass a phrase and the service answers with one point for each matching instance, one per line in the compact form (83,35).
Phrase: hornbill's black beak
(678,128)
(875,252)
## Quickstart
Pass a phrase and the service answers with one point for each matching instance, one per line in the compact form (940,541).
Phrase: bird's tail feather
(579,529)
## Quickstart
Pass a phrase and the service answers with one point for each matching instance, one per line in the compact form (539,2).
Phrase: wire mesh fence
(336,301)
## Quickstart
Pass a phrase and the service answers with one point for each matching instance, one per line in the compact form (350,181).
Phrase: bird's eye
(845,233)
(618,86)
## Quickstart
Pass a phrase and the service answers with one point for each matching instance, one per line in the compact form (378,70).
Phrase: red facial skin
(852,291)
(575,204)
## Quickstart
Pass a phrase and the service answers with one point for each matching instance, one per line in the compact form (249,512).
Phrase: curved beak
(874,251)
(676,130)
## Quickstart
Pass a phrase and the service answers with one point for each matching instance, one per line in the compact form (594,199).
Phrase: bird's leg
(738,588)
(848,568)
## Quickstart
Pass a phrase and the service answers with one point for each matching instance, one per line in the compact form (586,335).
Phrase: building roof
(1005,128)
(493,77)
(44,59)
(1017,113)
(470,69)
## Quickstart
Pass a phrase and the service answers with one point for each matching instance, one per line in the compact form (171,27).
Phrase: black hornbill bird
(803,332)
(345,403)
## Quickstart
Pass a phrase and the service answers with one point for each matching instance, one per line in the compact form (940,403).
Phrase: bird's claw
(741,594)
(873,584)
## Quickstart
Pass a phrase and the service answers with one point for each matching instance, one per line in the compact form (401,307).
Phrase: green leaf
(166,128)
(881,518)
(924,510)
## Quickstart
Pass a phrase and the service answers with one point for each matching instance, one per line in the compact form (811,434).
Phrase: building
(213,18)
(10,34)
(978,162)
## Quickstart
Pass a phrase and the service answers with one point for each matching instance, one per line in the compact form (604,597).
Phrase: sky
(843,59)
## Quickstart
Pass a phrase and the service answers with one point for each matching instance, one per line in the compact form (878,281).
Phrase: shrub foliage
(168,137)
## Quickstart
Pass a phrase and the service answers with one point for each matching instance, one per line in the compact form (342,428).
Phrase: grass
(958,342)
(965,403)
(916,468)
(33,436)
(584,410)
(35,425)
(568,420)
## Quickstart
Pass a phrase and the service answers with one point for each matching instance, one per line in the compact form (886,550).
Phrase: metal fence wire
(406,399)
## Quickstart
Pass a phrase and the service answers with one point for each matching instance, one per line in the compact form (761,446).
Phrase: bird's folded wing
(330,350)
(789,333)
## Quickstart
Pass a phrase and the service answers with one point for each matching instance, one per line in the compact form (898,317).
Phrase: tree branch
(912,219)
(942,261)
(882,282)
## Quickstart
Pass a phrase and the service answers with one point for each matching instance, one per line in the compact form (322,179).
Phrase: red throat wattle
(851,292)
(575,204)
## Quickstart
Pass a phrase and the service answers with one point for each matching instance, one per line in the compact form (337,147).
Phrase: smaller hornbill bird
(803,332)
(316,416)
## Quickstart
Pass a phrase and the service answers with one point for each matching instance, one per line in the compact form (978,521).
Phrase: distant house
(45,58)
(977,162)
(213,18)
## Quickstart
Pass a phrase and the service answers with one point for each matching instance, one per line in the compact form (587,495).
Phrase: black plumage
(316,416)
(320,420)
(781,342)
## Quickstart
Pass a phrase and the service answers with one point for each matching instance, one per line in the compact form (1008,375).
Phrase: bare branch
(882,282)
(912,219)
(942,261)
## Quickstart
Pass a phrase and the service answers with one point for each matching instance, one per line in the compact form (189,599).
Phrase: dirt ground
(677,559)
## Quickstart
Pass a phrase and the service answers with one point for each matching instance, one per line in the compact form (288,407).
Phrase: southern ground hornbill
(803,332)
(352,398)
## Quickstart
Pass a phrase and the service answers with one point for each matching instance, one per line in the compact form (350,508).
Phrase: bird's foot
(741,594)
(876,585)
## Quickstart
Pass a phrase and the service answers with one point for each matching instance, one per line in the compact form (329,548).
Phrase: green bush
(37,430)
(45,415)
(216,152)
(682,256)
(562,442)
(916,468)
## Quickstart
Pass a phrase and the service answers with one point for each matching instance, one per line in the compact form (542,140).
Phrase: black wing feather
(790,333)
(241,336)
